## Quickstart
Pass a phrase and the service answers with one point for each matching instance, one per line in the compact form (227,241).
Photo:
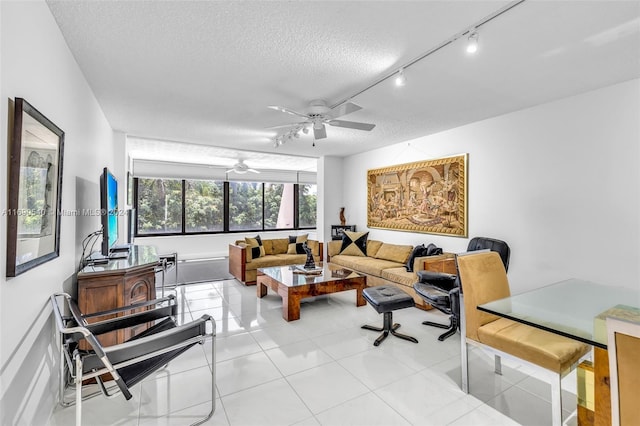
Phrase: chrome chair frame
(164,344)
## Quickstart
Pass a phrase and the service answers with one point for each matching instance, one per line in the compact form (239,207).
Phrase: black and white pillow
(296,244)
(354,243)
(254,247)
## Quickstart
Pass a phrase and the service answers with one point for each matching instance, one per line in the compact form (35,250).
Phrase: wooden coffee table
(293,287)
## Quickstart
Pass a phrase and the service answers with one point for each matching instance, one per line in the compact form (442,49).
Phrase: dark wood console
(120,282)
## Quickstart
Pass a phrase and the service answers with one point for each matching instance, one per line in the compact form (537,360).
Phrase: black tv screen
(108,210)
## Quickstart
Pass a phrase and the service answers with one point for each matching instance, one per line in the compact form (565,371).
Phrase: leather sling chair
(440,289)
(83,357)
(483,279)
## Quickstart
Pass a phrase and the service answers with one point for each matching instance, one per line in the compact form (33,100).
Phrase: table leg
(360,301)
(290,307)
(261,289)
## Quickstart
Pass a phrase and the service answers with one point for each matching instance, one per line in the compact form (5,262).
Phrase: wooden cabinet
(121,282)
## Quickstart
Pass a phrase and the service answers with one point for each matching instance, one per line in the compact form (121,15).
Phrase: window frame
(226,220)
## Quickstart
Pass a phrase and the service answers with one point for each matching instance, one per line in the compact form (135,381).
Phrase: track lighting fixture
(401,80)
(472,42)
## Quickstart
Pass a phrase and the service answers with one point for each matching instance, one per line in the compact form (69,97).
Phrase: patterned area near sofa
(385,264)
(246,256)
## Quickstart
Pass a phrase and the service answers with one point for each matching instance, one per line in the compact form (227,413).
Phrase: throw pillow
(296,244)
(354,243)
(418,251)
(394,252)
(254,246)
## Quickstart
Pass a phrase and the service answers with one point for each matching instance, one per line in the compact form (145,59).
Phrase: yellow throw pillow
(296,244)
(394,252)
(354,243)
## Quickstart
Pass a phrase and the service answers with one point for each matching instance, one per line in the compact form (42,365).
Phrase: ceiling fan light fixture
(401,79)
(472,42)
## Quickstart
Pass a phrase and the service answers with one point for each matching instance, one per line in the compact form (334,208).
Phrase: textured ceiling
(204,72)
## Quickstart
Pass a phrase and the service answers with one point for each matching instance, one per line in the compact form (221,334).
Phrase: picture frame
(426,196)
(35,186)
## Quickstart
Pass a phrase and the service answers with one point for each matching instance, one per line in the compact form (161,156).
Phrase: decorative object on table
(35,183)
(298,269)
(425,196)
(343,220)
(310,263)
(337,231)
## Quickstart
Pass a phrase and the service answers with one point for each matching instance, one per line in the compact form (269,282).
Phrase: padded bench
(386,299)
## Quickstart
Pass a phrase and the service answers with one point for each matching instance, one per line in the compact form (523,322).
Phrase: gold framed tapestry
(426,196)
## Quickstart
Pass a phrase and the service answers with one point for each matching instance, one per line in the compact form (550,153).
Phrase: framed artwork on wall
(427,196)
(35,185)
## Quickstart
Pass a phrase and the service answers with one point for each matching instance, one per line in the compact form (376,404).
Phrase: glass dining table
(576,309)
(573,308)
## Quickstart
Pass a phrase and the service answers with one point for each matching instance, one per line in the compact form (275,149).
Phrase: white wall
(559,182)
(37,65)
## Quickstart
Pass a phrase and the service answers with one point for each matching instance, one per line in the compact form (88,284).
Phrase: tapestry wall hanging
(426,196)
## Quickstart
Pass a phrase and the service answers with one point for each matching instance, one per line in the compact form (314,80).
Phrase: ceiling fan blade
(253,170)
(351,124)
(320,133)
(230,170)
(285,125)
(344,109)
(288,111)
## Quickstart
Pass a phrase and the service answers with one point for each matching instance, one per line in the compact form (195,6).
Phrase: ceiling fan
(320,114)
(241,168)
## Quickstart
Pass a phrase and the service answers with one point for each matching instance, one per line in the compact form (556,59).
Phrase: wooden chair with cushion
(483,279)
(623,345)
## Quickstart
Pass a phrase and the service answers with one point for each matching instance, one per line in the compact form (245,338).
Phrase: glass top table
(573,308)
(293,285)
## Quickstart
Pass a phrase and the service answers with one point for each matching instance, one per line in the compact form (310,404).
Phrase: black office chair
(126,363)
(441,290)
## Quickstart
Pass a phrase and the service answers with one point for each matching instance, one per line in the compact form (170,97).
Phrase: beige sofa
(385,264)
(244,267)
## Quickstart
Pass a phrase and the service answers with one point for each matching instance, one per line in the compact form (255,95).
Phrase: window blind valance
(170,170)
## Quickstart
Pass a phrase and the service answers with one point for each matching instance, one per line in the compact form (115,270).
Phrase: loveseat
(246,256)
(386,264)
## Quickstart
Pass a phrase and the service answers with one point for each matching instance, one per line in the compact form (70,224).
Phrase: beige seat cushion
(367,265)
(400,275)
(276,260)
(394,252)
(539,347)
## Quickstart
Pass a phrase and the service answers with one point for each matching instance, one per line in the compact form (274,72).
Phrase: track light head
(401,80)
(472,42)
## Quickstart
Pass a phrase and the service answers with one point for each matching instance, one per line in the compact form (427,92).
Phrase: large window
(159,208)
(307,199)
(173,207)
(203,206)
(245,206)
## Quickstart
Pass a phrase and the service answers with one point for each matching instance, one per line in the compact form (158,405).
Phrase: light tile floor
(322,370)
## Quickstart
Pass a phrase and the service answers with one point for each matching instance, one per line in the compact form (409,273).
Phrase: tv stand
(120,282)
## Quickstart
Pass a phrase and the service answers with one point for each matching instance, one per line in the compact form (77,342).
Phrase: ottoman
(385,300)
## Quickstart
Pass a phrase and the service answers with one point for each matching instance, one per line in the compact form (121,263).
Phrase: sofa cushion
(268,246)
(280,245)
(394,252)
(354,243)
(296,244)
(276,260)
(372,247)
(400,275)
(255,248)
(367,265)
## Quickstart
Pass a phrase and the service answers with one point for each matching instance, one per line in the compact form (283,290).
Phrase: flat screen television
(108,210)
